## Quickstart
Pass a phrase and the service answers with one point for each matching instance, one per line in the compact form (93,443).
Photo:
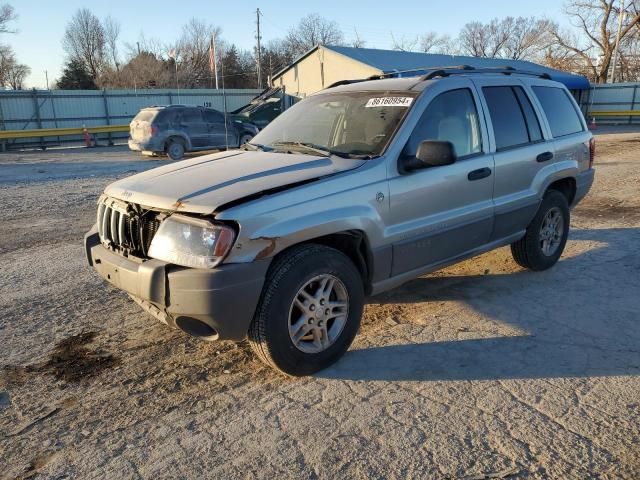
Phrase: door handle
(544,157)
(478,174)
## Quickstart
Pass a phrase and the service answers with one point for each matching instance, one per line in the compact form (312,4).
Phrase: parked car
(176,129)
(349,193)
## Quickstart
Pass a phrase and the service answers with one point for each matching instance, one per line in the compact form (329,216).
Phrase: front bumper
(584,180)
(224,298)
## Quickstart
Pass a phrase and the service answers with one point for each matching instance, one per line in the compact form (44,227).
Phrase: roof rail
(396,72)
(434,72)
(506,70)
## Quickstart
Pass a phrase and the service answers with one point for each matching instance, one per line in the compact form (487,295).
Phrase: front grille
(126,227)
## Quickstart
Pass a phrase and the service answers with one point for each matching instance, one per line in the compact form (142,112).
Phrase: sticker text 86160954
(389,102)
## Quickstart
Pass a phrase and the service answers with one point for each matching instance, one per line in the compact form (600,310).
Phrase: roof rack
(506,70)
(433,72)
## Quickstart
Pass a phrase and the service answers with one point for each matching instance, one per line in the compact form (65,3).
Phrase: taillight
(154,130)
(592,151)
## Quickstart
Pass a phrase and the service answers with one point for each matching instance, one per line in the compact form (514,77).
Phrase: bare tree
(7,15)
(111,34)
(597,21)
(313,30)
(7,56)
(432,42)
(16,75)
(484,39)
(84,40)
(7,61)
(403,44)
(193,53)
(357,42)
(527,37)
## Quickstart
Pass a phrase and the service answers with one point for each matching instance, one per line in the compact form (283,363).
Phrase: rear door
(566,125)
(440,213)
(524,153)
(193,125)
(216,129)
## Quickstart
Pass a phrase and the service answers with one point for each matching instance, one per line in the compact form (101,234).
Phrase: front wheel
(309,312)
(546,235)
(245,138)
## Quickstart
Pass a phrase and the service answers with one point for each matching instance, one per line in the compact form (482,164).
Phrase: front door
(440,213)
(216,129)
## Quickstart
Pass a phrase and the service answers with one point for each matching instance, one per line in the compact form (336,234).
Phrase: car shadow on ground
(578,319)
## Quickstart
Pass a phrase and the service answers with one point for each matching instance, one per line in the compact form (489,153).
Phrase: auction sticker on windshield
(389,102)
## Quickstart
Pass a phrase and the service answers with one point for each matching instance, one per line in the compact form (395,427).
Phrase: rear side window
(191,116)
(451,116)
(166,116)
(560,111)
(513,118)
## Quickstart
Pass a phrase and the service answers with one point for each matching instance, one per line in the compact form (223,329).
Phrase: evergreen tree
(76,77)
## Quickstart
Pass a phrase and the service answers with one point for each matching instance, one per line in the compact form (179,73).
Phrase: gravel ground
(481,370)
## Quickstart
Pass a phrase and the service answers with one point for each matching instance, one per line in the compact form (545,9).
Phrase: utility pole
(46,76)
(215,58)
(621,14)
(258,38)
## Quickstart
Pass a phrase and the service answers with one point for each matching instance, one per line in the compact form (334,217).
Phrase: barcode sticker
(389,102)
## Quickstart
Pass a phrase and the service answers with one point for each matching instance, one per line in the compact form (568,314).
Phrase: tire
(531,251)
(175,149)
(272,331)
(245,138)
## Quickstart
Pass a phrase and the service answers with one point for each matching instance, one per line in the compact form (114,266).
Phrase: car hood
(202,184)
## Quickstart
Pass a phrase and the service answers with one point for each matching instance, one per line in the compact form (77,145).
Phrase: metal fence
(615,103)
(43,109)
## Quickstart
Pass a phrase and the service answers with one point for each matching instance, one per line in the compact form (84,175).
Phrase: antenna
(224,100)
(258,38)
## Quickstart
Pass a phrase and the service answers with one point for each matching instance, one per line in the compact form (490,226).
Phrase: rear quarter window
(560,111)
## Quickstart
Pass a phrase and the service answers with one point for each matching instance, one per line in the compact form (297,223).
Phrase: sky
(41,23)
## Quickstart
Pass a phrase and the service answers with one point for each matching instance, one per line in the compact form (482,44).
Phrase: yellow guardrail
(614,113)
(60,132)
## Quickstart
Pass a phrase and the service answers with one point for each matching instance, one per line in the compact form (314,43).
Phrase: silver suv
(349,193)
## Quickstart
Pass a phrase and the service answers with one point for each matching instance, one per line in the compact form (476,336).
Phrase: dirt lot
(482,370)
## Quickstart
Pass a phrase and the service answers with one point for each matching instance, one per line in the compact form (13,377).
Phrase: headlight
(191,242)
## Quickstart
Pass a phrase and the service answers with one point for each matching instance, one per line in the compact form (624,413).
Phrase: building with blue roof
(325,64)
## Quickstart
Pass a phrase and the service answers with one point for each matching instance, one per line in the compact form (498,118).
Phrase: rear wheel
(175,149)
(309,312)
(546,235)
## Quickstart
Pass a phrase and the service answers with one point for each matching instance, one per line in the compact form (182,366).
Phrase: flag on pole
(212,60)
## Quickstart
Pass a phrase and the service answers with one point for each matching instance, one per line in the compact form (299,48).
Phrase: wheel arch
(180,137)
(566,186)
(352,243)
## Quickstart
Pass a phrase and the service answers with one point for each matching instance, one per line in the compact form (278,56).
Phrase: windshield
(358,124)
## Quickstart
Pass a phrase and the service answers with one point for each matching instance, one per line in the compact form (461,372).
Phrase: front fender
(275,237)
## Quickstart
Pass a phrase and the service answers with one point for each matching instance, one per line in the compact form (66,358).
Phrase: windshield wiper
(308,146)
(257,146)
(325,152)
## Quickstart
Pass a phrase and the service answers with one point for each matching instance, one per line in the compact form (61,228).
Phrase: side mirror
(431,153)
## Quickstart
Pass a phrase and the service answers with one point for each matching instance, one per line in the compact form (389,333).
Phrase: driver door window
(451,116)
